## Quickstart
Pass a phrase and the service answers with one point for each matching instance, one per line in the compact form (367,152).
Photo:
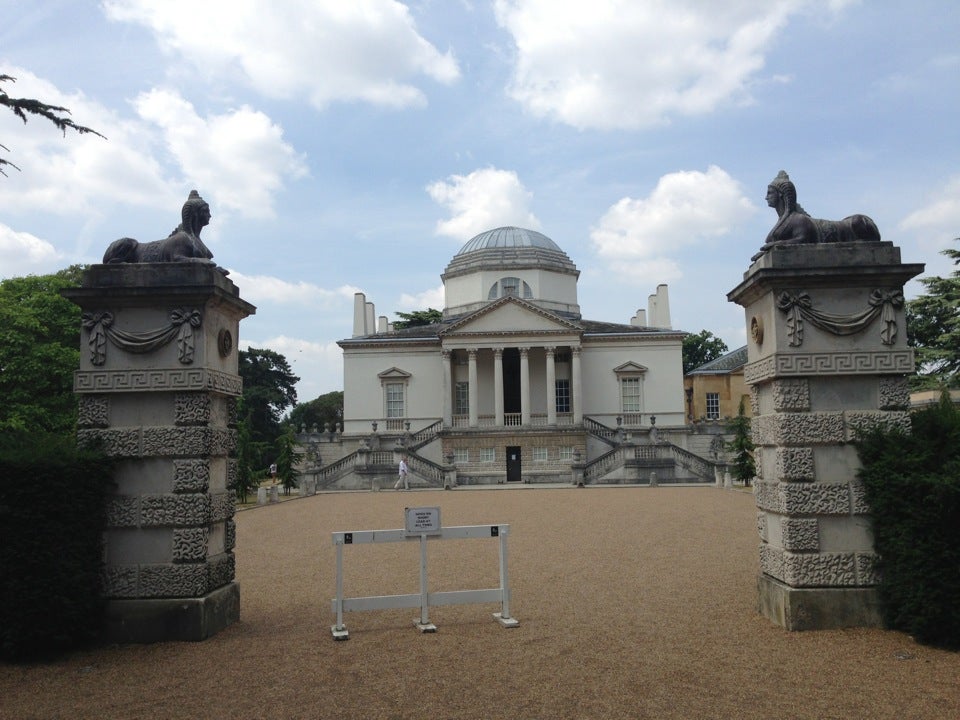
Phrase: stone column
(445,360)
(158,386)
(525,386)
(827,356)
(551,386)
(498,386)
(474,390)
(576,389)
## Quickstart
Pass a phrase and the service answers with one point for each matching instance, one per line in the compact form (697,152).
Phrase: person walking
(402,472)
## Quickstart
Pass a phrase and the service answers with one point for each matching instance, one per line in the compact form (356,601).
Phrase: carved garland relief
(798,307)
(182,324)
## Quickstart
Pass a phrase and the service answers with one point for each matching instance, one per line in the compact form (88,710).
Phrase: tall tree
(701,348)
(287,473)
(269,388)
(744,467)
(318,413)
(430,316)
(933,328)
(22,107)
(39,352)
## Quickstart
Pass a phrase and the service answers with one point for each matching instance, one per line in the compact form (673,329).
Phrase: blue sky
(357,145)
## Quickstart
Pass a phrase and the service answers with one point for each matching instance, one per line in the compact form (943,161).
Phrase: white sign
(422,521)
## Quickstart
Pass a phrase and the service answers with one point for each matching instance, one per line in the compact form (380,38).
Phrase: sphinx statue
(795,226)
(182,245)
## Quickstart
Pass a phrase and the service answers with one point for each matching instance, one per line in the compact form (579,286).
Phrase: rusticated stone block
(762,526)
(754,400)
(191,476)
(190,544)
(220,570)
(820,569)
(123,511)
(93,411)
(864,421)
(222,506)
(767,497)
(868,569)
(814,428)
(120,581)
(114,442)
(858,497)
(173,580)
(170,510)
(814,499)
(232,473)
(795,464)
(791,395)
(166,441)
(800,534)
(191,408)
(771,561)
(894,393)
(229,535)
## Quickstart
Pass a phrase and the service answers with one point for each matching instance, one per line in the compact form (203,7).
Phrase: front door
(513,463)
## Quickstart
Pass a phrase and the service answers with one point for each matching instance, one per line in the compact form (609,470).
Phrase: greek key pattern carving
(171,510)
(803,498)
(791,395)
(191,408)
(94,411)
(894,393)
(794,464)
(190,544)
(157,380)
(799,534)
(837,363)
(191,476)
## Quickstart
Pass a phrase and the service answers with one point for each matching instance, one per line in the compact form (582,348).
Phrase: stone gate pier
(158,386)
(827,356)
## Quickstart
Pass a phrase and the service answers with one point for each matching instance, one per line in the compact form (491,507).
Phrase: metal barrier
(423,599)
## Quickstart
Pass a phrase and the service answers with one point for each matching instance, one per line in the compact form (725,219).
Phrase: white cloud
(75,173)
(22,253)
(609,64)
(484,199)
(684,209)
(324,50)
(434,298)
(240,155)
(934,226)
(263,288)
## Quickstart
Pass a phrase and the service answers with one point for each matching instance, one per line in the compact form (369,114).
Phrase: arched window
(510,286)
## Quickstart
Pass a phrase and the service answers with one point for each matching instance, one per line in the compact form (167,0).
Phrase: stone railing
(422,437)
(601,431)
(701,467)
(598,467)
(329,474)
(430,471)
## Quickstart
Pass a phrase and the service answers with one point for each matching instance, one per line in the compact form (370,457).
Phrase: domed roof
(509,237)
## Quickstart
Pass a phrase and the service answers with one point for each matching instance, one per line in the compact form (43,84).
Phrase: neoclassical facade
(513,383)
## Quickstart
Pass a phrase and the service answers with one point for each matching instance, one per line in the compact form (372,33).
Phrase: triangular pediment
(394,373)
(512,316)
(630,368)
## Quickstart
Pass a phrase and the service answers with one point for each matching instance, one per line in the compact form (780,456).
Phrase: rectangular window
(563,396)
(566,452)
(488,455)
(461,399)
(394,393)
(630,394)
(713,406)
(461,456)
(540,454)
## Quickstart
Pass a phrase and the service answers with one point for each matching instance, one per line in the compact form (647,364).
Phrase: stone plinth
(827,357)
(158,386)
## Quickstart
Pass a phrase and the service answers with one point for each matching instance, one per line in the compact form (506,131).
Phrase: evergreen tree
(933,327)
(744,468)
(287,472)
(269,388)
(430,316)
(701,348)
(22,107)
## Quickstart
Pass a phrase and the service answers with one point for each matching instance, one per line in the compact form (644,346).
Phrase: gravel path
(633,602)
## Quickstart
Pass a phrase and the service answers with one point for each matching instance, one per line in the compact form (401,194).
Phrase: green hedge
(913,487)
(52,518)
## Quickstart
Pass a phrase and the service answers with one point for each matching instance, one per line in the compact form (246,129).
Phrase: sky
(356,145)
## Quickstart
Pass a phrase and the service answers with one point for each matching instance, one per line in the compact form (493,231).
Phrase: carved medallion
(756,329)
(224,342)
